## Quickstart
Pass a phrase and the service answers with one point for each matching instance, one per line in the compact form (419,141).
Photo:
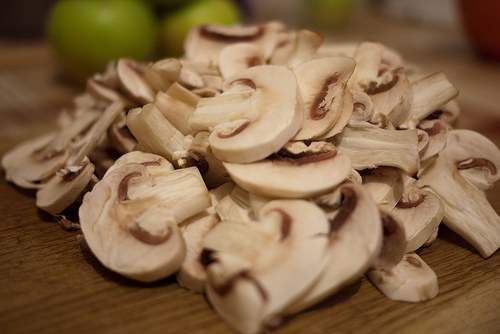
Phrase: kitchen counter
(51,283)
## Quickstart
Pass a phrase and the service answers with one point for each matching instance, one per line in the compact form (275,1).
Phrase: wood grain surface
(51,283)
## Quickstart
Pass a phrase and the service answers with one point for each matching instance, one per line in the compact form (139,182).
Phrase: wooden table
(51,283)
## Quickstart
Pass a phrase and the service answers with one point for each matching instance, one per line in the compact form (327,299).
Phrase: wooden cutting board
(51,283)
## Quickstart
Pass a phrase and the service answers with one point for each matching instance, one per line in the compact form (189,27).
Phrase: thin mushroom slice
(64,188)
(322,83)
(393,242)
(296,171)
(385,185)
(152,161)
(344,117)
(354,241)
(238,57)
(248,260)
(466,210)
(420,212)
(175,111)
(305,45)
(476,157)
(192,273)
(204,42)
(133,81)
(437,133)
(368,147)
(259,111)
(412,280)
(363,109)
(130,219)
(368,56)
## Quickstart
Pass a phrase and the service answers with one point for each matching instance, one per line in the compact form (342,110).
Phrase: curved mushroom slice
(64,188)
(296,171)
(437,132)
(154,162)
(344,117)
(259,111)
(204,42)
(392,95)
(466,209)
(181,93)
(322,83)
(174,70)
(234,207)
(305,45)
(363,109)
(37,159)
(130,219)
(369,146)
(192,274)
(393,242)
(248,262)
(120,137)
(133,81)
(421,212)
(385,185)
(476,157)
(354,241)
(238,57)
(429,94)
(412,280)
(447,113)
(103,93)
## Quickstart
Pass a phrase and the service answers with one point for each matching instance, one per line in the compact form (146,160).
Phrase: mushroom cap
(296,171)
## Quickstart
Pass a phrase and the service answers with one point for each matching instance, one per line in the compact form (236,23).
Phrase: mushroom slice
(392,95)
(259,111)
(133,81)
(64,187)
(154,132)
(429,94)
(39,158)
(466,209)
(437,132)
(412,280)
(420,212)
(238,57)
(192,274)
(154,162)
(234,207)
(385,185)
(175,111)
(354,241)
(368,56)
(369,146)
(181,93)
(306,44)
(393,242)
(130,219)
(322,83)
(344,117)
(204,42)
(121,139)
(447,113)
(174,70)
(296,171)
(476,157)
(363,109)
(248,262)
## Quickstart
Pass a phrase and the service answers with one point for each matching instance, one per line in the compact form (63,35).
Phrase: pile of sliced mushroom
(265,154)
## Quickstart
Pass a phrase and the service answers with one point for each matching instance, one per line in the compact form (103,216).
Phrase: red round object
(482,25)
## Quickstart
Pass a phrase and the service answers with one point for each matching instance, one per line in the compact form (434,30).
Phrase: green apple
(329,14)
(176,24)
(87,34)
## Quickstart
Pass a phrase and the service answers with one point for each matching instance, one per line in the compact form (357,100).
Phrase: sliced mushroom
(362,106)
(130,219)
(369,146)
(133,81)
(437,132)
(174,70)
(238,57)
(420,212)
(192,274)
(248,260)
(393,242)
(447,113)
(258,112)
(354,241)
(385,185)
(204,43)
(466,210)
(64,188)
(368,56)
(322,83)
(412,280)
(181,93)
(175,111)
(296,171)
(306,44)
(119,135)
(154,132)
(344,117)
(392,95)
(429,94)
